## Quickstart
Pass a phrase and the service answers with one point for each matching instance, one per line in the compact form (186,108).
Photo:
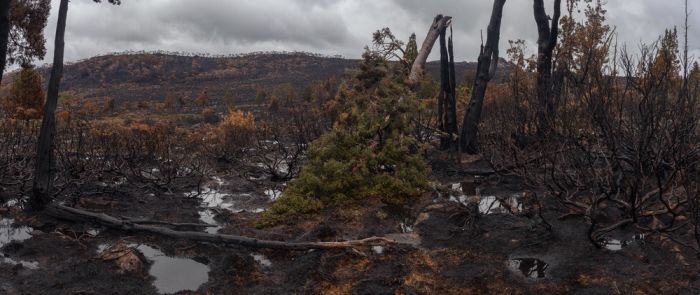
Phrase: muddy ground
(445,248)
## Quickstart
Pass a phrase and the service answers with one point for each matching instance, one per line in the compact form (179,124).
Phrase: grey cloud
(324,26)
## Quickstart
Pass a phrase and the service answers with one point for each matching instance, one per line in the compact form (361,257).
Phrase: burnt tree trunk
(44,167)
(546,42)
(447,107)
(418,68)
(73,214)
(486,70)
(4,34)
(451,102)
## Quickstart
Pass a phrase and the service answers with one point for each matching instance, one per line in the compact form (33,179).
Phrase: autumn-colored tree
(108,105)
(143,105)
(274,104)
(229,101)
(170,101)
(209,115)
(260,96)
(308,93)
(235,131)
(202,98)
(285,94)
(26,95)
(22,25)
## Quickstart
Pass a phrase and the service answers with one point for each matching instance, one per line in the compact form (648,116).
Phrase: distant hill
(152,76)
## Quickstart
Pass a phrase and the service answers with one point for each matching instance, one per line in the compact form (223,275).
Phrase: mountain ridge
(153,76)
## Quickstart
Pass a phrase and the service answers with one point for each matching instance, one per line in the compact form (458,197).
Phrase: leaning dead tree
(486,70)
(546,42)
(439,24)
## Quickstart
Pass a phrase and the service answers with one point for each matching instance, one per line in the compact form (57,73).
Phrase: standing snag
(486,70)
(546,42)
(43,174)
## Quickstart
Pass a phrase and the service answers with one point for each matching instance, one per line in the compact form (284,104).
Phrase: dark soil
(440,255)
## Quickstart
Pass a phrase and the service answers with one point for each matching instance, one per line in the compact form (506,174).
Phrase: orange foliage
(234,132)
(26,98)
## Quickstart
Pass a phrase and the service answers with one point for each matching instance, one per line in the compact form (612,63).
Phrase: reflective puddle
(612,244)
(262,260)
(9,232)
(174,274)
(493,205)
(214,200)
(529,267)
(26,264)
(273,194)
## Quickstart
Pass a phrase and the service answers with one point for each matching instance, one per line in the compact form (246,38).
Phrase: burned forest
(506,147)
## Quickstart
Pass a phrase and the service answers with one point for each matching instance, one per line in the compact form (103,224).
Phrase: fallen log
(73,214)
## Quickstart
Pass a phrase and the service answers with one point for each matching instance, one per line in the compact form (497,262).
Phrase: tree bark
(418,68)
(448,108)
(546,42)
(73,214)
(486,70)
(444,90)
(451,103)
(44,167)
(4,34)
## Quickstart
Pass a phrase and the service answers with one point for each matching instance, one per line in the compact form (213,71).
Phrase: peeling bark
(486,70)
(417,70)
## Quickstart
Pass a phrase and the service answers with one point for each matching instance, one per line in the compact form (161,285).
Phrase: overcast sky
(330,27)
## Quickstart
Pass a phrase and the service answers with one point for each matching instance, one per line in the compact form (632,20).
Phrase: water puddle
(612,244)
(33,265)
(9,232)
(113,182)
(379,250)
(262,260)
(529,267)
(11,203)
(406,227)
(494,205)
(273,194)
(207,216)
(174,274)
(214,201)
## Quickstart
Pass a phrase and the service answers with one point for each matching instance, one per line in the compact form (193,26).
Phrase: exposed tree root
(73,214)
